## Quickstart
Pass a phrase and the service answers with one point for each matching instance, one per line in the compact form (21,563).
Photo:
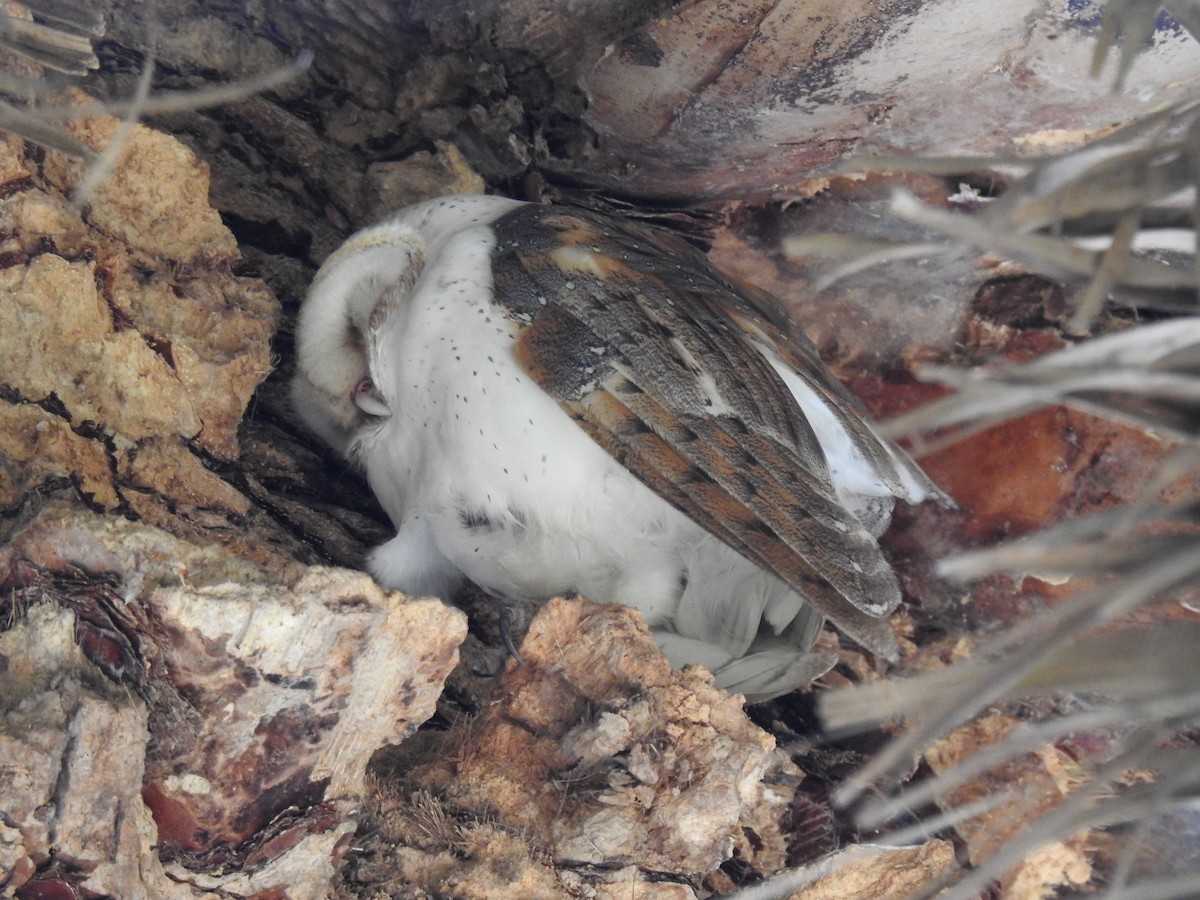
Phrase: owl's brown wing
(650,351)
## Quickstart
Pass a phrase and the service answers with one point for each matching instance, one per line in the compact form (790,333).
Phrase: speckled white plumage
(465,354)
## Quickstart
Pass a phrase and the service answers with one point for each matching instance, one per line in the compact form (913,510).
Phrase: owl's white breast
(480,461)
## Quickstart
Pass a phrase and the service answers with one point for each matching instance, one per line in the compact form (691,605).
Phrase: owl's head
(334,389)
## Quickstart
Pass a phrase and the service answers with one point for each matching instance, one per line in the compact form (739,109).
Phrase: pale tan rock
(158,466)
(37,447)
(304,872)
(14,165)
(864,872)
(343,669)
(1059,864)
(69,794)
(676,727)
(61,340)
(100,816)
(62,535)
(38,217)
(393,185)
(155,200)
(215,333)
(16,868)
(125,351)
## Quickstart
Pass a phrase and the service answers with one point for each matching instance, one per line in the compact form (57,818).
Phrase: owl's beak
(369,400)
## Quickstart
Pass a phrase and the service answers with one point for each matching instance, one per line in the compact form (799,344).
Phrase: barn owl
(547,400)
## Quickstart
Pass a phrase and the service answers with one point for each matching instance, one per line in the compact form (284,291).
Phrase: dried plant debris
(1109,762)
(1092,786)
(1117,216)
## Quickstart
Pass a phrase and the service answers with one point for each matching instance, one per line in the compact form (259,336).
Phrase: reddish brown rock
(596,753)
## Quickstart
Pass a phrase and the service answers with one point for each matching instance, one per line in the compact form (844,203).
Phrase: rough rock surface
(1045,776)
(131,348)
(175,720)
(595,755)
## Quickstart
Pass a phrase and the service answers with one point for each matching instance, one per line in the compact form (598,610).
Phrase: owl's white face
(546,400)
(325,398)
(351,296)
(333,388)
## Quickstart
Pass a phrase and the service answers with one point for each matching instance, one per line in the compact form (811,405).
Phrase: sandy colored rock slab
(156,467)
(155,200)
(65,343)
(68,796)
(63,536)
(294,688)
(130,347)
(649,732)
(393,185)
(41,448)
(747,100)
(212,723)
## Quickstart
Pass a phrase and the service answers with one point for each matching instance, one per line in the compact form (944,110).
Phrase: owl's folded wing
(660,361)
